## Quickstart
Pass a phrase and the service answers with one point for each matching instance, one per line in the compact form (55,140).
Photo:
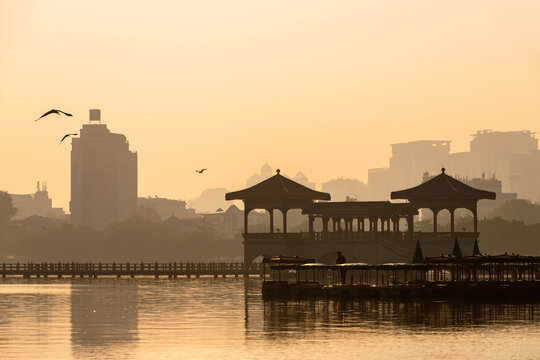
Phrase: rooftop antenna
(95,115)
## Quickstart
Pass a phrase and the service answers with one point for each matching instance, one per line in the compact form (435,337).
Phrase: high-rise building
(492,152)
(510,156)
(103,176)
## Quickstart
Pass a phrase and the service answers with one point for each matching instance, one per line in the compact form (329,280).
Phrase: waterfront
(226,318)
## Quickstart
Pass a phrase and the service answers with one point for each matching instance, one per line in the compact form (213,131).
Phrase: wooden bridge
(93,270)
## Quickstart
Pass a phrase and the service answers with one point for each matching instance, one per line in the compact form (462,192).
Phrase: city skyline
(388,73)
(367,192)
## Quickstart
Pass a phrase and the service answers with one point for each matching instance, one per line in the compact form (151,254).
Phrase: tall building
(510,156)
(524,177)
(103,176)
(493,152)
(408,162)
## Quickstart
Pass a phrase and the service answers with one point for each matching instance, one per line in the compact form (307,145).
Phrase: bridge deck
(171,269)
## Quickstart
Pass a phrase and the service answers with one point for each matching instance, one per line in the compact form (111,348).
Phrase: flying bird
(54,111)
(65,136)
(200,171)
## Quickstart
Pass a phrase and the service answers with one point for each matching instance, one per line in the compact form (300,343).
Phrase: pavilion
(443,192)
(366,231)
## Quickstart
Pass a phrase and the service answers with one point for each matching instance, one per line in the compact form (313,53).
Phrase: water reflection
(37,311)
(227,319)
(104,317)
(286,316)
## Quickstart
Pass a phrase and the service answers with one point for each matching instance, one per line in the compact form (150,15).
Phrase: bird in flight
(200,171)
(65,136)
(54,111)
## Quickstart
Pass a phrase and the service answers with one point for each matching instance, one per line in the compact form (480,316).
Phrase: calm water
(227,319)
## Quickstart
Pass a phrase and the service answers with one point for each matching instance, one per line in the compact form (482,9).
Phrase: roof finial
(443,170)
(278,171)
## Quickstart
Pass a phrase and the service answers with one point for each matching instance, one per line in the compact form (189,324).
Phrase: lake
(212,318)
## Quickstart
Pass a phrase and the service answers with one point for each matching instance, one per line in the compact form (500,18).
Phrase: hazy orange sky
(318,86)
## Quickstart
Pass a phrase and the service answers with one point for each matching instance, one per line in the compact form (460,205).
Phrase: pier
(472,278)
(155,269)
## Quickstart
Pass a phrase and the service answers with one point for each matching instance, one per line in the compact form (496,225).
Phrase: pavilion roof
(442,186)
(277,187)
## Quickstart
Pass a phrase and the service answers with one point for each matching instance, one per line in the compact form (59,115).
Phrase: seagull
(54,111)
(65,136)
(200,171)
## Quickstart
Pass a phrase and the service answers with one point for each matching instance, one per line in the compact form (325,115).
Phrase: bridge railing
(129,267)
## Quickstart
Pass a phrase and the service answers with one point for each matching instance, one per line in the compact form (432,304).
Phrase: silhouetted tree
(7,210)
(418,257)
(519,209)
(476,250)
(148,213)
(456,251)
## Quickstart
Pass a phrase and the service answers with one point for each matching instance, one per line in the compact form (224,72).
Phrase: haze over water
(227,319)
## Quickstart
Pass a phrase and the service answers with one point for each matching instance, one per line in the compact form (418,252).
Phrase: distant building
(492,152)
(187,224)
(378,183)
(228,222)
(408,162)
(524,175)
(303,180)
(341,189)
(511,156)
(38,203)
(40,223)
(166,207)
(103,177)
(266,172)
(209,200)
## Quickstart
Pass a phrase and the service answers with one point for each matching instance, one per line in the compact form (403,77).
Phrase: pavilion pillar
(271,212)
(475,215)
(311,232)
(246,213)
(410,226)
(325,227)
(452,223)
(435,212)
(284,211)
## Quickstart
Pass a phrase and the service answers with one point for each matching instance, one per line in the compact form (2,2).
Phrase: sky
(321,87)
